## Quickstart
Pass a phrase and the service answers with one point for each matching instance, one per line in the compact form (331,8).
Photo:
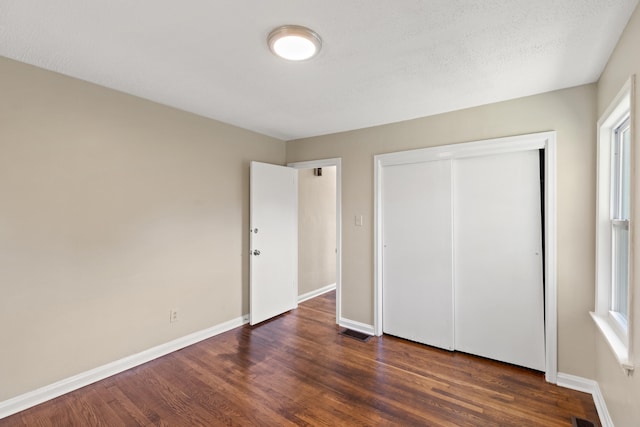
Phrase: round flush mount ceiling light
(294,42)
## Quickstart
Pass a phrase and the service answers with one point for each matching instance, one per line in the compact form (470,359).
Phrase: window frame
(615,327)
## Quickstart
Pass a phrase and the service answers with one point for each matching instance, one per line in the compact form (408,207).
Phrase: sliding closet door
(417,257)
(499,306)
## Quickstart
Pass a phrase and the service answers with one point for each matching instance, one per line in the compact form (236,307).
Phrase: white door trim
(337,162)
(543,140)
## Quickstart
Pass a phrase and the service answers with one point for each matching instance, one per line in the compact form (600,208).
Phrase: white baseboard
(576,383)
(316,293)
(51,391)
(356,326)
(601,407)
(588,386)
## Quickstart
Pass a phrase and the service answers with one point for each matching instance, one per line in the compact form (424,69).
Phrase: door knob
(256,252)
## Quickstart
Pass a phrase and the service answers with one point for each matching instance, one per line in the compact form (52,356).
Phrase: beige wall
(621,392)
(114,210)
(571,112)
(316,229)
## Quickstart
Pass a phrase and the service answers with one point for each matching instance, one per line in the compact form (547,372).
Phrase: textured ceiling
(381,61)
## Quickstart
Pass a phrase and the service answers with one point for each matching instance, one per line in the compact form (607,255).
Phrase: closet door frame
(536,141)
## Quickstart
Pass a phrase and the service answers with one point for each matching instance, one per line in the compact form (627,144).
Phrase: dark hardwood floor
(298,370)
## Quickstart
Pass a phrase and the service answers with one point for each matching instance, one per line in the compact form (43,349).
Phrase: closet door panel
(499,297)
(417,253)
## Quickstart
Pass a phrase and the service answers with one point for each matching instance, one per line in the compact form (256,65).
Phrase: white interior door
(417,258)
(499,306)
(274,241)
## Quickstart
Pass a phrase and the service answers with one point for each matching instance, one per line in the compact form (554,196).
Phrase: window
(613,225)
(620,197)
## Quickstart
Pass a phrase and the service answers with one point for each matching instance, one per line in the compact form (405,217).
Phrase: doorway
(319,254)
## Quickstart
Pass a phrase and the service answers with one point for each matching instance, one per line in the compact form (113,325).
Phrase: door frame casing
(542,140)
(323,163)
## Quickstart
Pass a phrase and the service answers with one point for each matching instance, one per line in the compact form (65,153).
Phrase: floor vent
(355,334)
(579,422)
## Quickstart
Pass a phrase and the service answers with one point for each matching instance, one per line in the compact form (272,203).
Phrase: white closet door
(499,307)
(417,257)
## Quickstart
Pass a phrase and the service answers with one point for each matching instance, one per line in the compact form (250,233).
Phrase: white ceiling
(382,61)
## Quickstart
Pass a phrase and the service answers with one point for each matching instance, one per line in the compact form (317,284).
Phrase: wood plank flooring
(298,370)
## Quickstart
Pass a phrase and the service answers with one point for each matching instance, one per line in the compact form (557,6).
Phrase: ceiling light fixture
(294,42)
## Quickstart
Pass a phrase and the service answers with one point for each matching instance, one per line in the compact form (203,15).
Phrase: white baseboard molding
(588,386)
(51,391)
(316,293)
(356,326)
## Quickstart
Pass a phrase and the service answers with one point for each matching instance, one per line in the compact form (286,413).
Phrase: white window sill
(620,350)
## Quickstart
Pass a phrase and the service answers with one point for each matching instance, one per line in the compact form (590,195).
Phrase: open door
(274,241)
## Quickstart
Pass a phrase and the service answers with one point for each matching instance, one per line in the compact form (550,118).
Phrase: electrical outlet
(173,315)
